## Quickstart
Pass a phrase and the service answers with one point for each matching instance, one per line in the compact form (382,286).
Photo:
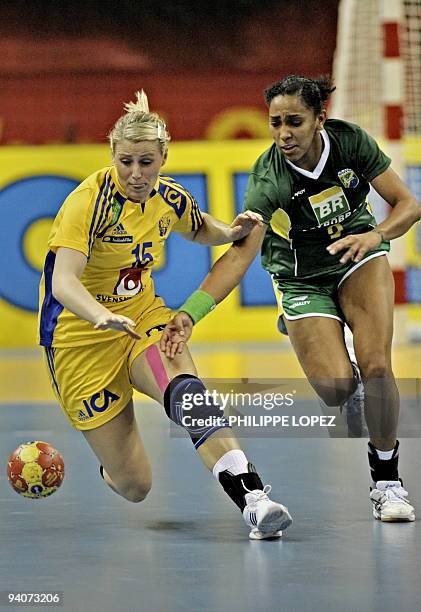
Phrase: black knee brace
(188,403)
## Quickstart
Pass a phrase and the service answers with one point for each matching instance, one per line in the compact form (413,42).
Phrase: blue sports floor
(186,547)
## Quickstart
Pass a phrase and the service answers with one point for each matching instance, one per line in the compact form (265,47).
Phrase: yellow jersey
(122,240)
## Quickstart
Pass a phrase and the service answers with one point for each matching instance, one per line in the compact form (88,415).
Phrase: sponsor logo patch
(129,281)
(118,239)
(119,230)
(329,204)
(118,235)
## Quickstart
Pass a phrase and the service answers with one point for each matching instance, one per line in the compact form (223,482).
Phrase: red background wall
(66,70)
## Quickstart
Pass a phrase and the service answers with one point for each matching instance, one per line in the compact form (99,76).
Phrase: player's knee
(189,404)
(335,394)
(136,491)
(375,365)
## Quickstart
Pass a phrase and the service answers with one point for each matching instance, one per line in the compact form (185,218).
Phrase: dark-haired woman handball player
(327,258)
(100,320)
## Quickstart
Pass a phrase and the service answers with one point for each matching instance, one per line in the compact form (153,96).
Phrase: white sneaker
(266,518)
(390,503)
(353,409)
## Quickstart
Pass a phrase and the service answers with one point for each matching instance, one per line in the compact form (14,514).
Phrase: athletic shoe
(353,409)
(390,503)
(266,518)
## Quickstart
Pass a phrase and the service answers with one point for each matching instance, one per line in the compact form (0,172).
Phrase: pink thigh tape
(154,360)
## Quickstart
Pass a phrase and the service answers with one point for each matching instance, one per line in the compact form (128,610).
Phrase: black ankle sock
(236,486)
(383,469)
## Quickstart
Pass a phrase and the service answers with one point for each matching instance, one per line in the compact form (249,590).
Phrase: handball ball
(35,469)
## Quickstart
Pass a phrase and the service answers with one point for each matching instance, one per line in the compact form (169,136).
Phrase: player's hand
(244,223)
(117,322)
(176,334)
(355,246)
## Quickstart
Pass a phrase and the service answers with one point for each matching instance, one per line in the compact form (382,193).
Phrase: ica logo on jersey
(99,402)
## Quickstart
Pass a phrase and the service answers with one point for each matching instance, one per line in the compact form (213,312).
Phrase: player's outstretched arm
(213,232)
(228,270)
(70,292)
(225,274)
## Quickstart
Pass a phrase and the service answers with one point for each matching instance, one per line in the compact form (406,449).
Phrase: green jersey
(306,211)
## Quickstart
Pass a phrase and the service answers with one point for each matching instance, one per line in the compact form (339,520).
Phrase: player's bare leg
(367,298)
(166,380)
(319,344)
(320,347)
(120,450)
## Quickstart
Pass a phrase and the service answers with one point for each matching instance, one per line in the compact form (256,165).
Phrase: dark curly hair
(313,92)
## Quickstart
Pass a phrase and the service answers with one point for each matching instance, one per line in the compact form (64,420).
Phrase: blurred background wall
(67,67)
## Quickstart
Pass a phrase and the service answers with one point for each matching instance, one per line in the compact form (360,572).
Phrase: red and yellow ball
(35,470)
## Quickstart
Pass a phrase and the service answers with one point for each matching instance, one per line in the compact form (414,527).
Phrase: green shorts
(314,297)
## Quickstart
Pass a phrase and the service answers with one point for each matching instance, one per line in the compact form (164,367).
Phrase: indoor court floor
(186,547)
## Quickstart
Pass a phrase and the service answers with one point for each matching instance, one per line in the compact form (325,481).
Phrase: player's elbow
(413,210)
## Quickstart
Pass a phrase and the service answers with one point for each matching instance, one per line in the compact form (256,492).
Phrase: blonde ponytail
(141,105)
(139,124)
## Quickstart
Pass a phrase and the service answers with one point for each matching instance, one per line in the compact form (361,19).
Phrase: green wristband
(198,305)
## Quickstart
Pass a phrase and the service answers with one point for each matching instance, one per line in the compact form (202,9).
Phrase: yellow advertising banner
(34,181)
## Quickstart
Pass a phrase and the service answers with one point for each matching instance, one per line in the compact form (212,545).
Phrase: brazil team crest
(348,178)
